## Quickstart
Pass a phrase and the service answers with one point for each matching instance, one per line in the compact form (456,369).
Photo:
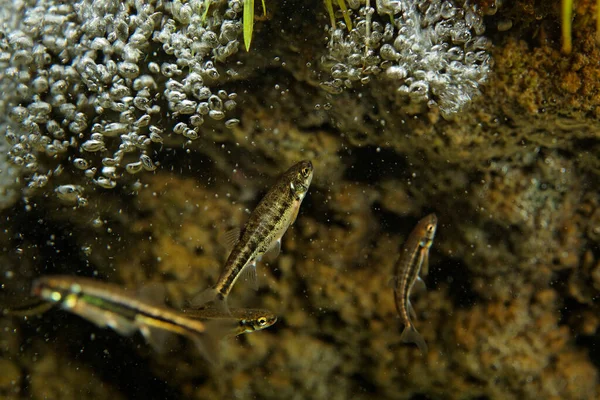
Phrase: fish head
(429,228)
(300,176)
(45,289)
(259,319)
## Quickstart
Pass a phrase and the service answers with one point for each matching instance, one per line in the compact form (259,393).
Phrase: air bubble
(231,123)
(133,168)
(105,182)
(216,115)
(92,146)
(147,163)
(180,127)
(68,193)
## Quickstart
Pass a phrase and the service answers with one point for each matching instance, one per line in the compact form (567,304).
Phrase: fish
(109,305)
(413,261)
(262,233)
(244,320)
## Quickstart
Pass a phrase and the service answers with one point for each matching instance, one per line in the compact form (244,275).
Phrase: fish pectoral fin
(231,237)
(411,311)
(121,325)
(419,285)
(249,274)
(410,335)
(104,319)
(294,215)
(272,253)
(425,265)
(157,338)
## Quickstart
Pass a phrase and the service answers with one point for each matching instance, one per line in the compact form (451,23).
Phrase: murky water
(137,140)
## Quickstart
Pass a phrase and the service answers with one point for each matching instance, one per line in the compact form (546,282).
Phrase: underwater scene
(300,199)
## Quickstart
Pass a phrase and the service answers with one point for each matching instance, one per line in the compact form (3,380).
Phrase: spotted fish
(266,226)
(413,260)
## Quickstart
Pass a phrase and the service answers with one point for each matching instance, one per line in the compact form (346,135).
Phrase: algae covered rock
(134,135)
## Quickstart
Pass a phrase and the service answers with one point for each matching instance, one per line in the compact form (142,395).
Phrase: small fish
(109,305)
(262,233)
(414,258)
(244,320)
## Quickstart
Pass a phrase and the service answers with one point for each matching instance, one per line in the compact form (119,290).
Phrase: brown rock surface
(512,302)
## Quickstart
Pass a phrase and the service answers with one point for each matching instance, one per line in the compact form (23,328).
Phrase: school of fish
(209,318)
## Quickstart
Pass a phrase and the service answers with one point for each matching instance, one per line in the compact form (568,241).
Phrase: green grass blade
(206,6)
(248,22)
(329,7)
(597,21)
(264,8)
(567,16)
(342,4)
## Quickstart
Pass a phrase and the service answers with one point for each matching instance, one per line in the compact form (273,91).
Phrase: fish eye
(262,321)
(430,228)
(305,171)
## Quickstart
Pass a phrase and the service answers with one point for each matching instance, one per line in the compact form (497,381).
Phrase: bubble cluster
(432,50)
(97,84)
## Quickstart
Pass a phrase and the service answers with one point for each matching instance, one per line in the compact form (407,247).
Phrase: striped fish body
(109,305)
(266,226)
(414,258)
(243,320)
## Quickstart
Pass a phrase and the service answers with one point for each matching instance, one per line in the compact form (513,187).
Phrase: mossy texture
(511,307)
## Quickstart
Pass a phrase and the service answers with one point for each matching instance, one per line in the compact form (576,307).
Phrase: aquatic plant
(343,7)
(566,21)
(567,16)
(249,21)
(433,51)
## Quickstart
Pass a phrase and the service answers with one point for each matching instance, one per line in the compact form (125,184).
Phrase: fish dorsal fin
(249,274)
(157,338)
(419,286)
(272,253)
(153,293)
(230,239)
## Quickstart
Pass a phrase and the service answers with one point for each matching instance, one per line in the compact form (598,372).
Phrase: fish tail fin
(211,295)
(208,342)
(410,335)
(221,304)
(204,297)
